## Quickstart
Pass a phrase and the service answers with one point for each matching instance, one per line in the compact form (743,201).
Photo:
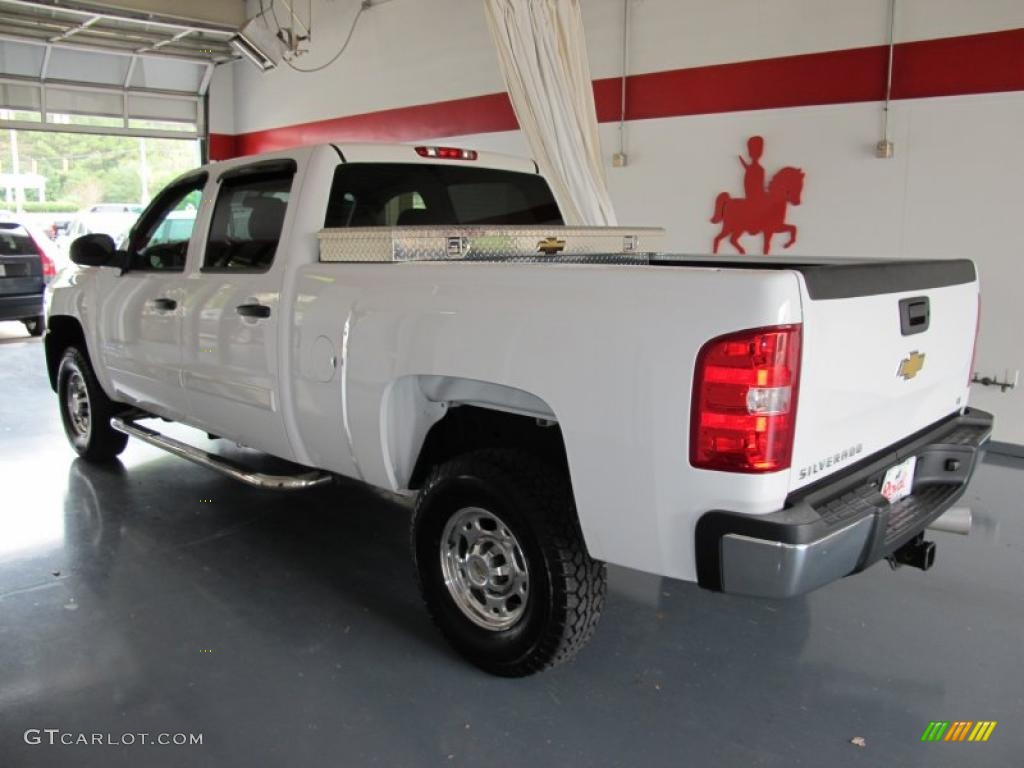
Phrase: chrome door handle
(163,303)
(253,310)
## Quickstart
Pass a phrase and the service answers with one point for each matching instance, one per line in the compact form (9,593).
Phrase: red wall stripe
(984,63)
(477,114)
(835,77)
(222,146)
(957,66)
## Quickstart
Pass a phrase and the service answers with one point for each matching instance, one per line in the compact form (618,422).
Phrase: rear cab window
(414,194)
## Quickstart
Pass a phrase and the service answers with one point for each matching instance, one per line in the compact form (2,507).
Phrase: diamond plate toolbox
(581,245)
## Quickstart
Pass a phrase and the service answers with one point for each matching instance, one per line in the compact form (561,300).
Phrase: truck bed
(865,323)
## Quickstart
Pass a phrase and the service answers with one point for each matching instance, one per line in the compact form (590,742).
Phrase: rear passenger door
(232,310)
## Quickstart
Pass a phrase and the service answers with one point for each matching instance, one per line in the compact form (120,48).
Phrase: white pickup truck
(417,318)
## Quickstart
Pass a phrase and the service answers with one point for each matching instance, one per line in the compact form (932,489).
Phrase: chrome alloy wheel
(77,399)
(484,569)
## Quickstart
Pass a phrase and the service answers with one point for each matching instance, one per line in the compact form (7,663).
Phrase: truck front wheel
(501,562)
(85,409)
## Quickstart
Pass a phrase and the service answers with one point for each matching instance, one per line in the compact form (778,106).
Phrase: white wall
(952,190)
(416,51)
(403,52)
(221,112)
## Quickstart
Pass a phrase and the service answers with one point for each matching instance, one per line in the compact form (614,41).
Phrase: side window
(160,242)
(247,221)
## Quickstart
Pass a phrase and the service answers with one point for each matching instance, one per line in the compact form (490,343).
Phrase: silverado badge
(910,365)
(549,246)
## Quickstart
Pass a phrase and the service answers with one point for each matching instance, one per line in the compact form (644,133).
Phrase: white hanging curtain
(543,55)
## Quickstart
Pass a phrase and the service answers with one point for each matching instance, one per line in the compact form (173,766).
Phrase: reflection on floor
(287,630)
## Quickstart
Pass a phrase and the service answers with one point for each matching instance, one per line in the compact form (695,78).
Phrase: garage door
(129,71)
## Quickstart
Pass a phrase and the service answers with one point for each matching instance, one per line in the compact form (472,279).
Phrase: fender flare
(411,405)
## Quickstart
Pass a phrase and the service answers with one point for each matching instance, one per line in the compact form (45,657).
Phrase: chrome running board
(127,423)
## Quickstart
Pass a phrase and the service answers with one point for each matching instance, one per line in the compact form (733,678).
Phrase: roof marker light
(447,153)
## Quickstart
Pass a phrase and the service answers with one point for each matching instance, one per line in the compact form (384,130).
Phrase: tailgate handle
(915,315)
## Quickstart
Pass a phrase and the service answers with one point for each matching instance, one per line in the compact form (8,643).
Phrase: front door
(140,314)
(230,355)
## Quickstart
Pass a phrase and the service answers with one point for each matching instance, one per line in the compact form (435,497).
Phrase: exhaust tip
(954,520)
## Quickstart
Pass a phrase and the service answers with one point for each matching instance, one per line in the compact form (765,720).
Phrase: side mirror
(94,251)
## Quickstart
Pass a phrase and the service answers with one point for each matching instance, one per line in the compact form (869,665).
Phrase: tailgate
(887,350)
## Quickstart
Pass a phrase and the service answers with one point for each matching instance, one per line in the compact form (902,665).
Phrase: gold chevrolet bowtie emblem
(910,366)
(549,246)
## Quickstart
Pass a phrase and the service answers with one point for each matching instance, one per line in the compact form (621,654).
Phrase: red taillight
(49,268)
(447,153)
(744,400)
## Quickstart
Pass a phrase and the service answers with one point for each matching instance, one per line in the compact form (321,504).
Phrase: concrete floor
(155,596)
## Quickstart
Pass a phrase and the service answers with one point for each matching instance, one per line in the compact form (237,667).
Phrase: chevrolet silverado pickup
(558,398)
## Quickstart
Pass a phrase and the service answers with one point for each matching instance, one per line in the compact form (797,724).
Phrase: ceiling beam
(140,12)
(74,30)
(168,41)
(219,12)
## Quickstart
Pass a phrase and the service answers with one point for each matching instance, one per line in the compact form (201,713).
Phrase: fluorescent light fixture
(258,44)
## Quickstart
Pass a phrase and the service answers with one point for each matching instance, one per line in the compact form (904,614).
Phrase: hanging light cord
(344,46)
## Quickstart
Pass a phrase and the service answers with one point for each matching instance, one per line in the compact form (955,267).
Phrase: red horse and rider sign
(762,211)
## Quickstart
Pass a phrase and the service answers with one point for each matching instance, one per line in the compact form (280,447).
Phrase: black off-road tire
(35,325)
(96,440)
(566,586)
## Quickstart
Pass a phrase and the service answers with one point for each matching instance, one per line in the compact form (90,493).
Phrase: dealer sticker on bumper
(899,480)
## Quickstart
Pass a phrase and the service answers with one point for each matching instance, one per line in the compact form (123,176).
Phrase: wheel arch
(429,419)
(62,331)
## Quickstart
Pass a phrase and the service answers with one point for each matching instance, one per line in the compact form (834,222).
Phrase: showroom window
(247,221)
(408,194)
(160,243)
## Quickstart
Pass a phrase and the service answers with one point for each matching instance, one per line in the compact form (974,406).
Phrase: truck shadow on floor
(309,569)
(336,553)
(292,582)
(339,556)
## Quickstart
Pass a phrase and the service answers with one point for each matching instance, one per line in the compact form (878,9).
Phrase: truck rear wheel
(501,562)
(85,409)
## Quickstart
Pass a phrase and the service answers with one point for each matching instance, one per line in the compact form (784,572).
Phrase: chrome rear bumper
(844,524)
